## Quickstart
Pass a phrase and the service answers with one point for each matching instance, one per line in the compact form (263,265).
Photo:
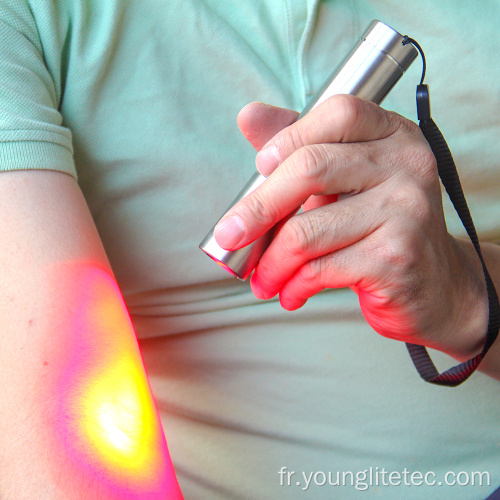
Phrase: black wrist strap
(449,177)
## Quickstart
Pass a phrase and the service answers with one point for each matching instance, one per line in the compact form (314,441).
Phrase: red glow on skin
(107,419)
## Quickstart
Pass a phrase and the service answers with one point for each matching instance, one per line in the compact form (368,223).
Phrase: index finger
(322,169)
(341,118)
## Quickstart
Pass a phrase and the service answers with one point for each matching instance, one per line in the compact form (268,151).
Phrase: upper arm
(75,406)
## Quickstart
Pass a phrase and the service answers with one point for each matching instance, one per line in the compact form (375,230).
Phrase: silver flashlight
(370,70)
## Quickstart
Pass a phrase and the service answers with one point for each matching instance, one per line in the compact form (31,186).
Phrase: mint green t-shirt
(138,99)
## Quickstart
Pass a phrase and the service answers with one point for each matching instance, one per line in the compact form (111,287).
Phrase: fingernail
(229,232)
(268,159)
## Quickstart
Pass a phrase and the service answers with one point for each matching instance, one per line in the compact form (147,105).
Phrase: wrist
(466,332)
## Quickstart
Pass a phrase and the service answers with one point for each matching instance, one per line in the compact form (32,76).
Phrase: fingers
(341,269)
(361,172)
(312,234)
(342,118)
(319,169)
(260,122)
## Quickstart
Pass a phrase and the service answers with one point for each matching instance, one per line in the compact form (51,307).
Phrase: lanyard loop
(449,177)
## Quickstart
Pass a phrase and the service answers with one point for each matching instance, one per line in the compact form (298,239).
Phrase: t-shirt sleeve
(32,135)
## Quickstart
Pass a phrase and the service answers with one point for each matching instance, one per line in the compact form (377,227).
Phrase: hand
(372,221)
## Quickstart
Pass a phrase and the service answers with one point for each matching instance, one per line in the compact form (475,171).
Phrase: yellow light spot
(118,418)
(109,399)
(106,428)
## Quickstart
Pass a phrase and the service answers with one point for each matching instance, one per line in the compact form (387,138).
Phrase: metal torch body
(369,71)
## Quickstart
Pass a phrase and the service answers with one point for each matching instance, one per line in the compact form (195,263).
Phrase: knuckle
(413,202)
(311,271)
(290,140)
(263,211)
(403,125)
(346,110)
(309,164)
(397,255)
(297,236)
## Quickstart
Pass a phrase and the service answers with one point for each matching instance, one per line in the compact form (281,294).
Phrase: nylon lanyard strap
(449,177)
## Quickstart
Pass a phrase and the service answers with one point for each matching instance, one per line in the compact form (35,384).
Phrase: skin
(372,220)
(77,417)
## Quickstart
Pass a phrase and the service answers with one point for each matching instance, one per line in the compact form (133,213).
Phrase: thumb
(260,122)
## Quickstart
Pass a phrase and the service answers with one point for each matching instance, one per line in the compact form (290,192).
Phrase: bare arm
(77,418)
(474,322)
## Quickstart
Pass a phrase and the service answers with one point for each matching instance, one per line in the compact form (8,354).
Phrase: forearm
(82,412)
(467,333)
(76,411)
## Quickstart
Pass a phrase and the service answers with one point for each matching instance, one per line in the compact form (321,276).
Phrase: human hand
(372,221)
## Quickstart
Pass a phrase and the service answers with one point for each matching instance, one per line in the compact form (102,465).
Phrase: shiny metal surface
(370,71)
(241,262)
